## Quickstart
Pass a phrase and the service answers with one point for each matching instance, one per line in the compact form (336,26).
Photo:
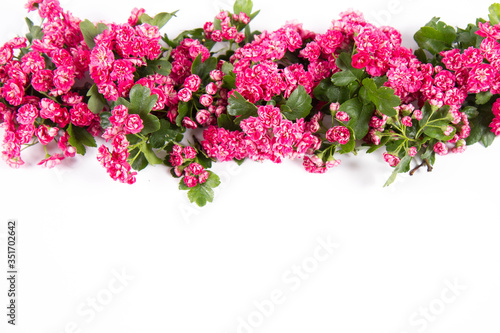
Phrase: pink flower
(118,115)
(342,116)
(202,117)
(202,178)
(42,80)
(195,169)
(192,82)
(412,151)
(64,78)
(51,161)
(80,115)
(418,115)
(46,134)
(216,75)
(133,124)
(134,17)
(188,123)
(270,116)
(27,114)
(440,148)
(13,92)
(406,121)
(190,181)
(184,95)
(206,100)
(189,152)
(338,133)
(391,159)
(211,88)
(361,60)
(176,160)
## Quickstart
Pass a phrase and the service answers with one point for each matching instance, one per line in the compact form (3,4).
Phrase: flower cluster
(272,95)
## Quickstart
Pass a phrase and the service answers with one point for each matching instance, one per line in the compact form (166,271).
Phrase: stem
(424,162)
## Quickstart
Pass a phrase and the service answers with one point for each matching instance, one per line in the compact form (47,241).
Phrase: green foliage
(79,137)
(244,6)
(203,69)
(165,134)
(359,116)
(298,104)
(182,111)
(96,101)
(494,15)
(227,122)
(90,31)
(239,106)
(402,167)
(35,31)
(435,36)
(383,97)
(159,20)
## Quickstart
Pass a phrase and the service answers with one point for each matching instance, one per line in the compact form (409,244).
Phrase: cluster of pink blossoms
(194,173)
(113,76)
(228,31)
(266,137)
(23,77)
(115,162)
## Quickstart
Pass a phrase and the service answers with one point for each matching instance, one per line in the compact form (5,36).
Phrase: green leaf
(35,31)
(327,92)
(229,81)
(182,111)
(96,101)
(298,105)
(151,124)
(239,106)
(359,116)
(137,159)
(494,15)
(90,31)
(159,20)
(202,193)
(227,68)
(483,97)
(343,78)
(159,66)
(149,154)
(436,36)
(403,166)
(203,69)
(105,123)
(244,6)
(225,121)
(468,37)
(435,130)
(141,100)
(79,137)
(479,126)
(384,98)
(164,135)
(488,138)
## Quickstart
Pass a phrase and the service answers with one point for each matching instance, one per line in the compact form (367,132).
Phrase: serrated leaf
(479,126)
(327,92)
(159,66)
(141,100)
(359,116)
(244,6)
(96,101)
(79,137)
(298,105)
(239,106)
(159,20)
(435,130)
(227,68)
(384,98)
(403,166)
(35,31)
(494,15)
(203,193)
(437,36)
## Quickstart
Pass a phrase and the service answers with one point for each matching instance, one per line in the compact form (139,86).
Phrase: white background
(204,270)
